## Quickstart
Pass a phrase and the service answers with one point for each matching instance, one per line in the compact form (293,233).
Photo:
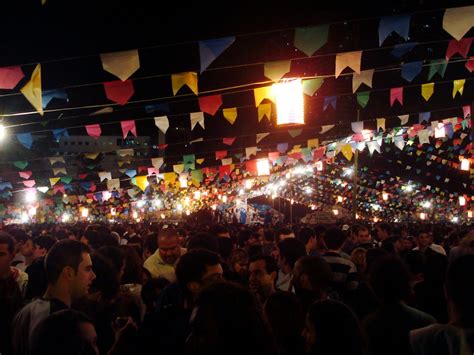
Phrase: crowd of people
(150,288)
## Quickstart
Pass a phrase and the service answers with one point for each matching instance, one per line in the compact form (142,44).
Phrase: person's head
(312,273)
(383,230)
(68,265)
(332,328)
(308,238)
(20,236)
(334,238)
(460,291)
(168,245)
(285,233)
(203,241)
(27,248)
(239,261)
(117,256)
(133,272)
(408,243)
(150,244)
(196,269)
(220,231)
(151,289)
(290,250)
(361,234)
(66,332)
(7,253)
(358,257)
(424,239)
(263,271)
(390,279)
(41,245)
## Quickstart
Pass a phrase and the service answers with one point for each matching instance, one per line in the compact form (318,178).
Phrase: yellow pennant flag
(264,110)
(458,86)
(188,78)
(427,90)
(265,92)
(54,181)
(91,156)
(178,168)
(346,150)
(141,182)
(32,90)
(200,161)
(348,59)
(123,162)
(313,143)
(169,177)
(230,114)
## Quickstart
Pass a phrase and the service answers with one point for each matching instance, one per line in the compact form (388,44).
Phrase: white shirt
(435,247)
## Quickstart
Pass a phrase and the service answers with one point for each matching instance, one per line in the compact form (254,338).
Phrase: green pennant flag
(363,98)
(238,155)
(189,159)
(437,66)
(310,86)
(66,179)
(44,123)
(20,164)
(197,175)
(295,132)
(90,167)
(310,39)
(189,166)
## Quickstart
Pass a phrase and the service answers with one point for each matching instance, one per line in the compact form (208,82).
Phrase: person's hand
(122,326)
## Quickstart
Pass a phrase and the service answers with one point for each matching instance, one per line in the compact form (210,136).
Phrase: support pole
(354,178)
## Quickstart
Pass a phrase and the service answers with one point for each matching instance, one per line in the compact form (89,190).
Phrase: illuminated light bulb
(292,201)
(336,212)
(469,214)
(409,188)
(288,175)
(385,196)
(66,217)
(422,215)
(348,172)
(248,184)
(426,204)
(187,200)
(214,207)
(313,207)
(205,193)
(179,207)
(24,218)
(158,203)
(339,199)
(462,201)
(113,211)
(197,195)
(455,219)
(319,166)
(2,131)
(106,195)
(241,192)
(289,100)
(32,211)
(465,164)
(357,216)
(65,195)
(188,212)
(141,203)
(183,182)
(30,196)
(263,167)
(85,212)
(274,196)
(163,216)
(135,214)
(299,170)
(224,198)
(376,219)
(309,190)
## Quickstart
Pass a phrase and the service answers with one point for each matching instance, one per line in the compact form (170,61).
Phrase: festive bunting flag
(458,86)
(25,174)
(119,91)
(348,59)
(276,70)
(282,147)
(10,77)
(66,179)
(43,189)
(188,78)
(458,21)
(326,128)
(209,50)
(227,161)
(310,86)
(470,65)
(262,93)
(196,140)
(427,90)
(364,77)
(310,39)
(21,165)
(357,127)
(228,141)
(221,154)
(313,143)
(346,150)
(411,70)
(94,131)
(264,110)
(54,181)
(57,171)
(178,168)
(59,133)
(157,162)
(466,111)
(330,101)
(26,139)
(54,160)
(398,24)
(200,161)
(424,117)
(396,94)
(102,111)
(380,124)
(197,117)
(437,66)
(141,182)
(48,95)
(210,104)
(125,152)
(462,47)
(32,90)
(105,175)
(295,132)
(121,64)
(128,126)
(363,98)
(153,171)
(162,123)
(230,114)
(423,136)
(401,49)
(196,175)
(249,151)
(404,119)
(260,136)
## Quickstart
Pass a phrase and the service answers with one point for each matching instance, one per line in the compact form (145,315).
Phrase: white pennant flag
(57,171)
(157,162)
(324,129)
(404,119)
(54,160)
(197,117)
(365,77)
(162,123)
(113,184)
(250,151)
(423,136)
(105,175)
(260,136)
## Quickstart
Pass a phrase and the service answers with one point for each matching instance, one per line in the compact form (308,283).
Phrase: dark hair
(385,227)
(283,231)
(151,242)
(192,265)
(203,241)
(291,249)
(106,281)
(60,334)
(115,254)
(226,246)
(19,234)
(306,234)
(167,233)
(270,263)
(317,270)
(133,266)
(334,238)
(7,239)
(45,241)
(269,235)
(218,229)
(149,292)
(319,230)
(358,227)
(62,254)
(390,279)
(338,329)
(460,288)
(243,237)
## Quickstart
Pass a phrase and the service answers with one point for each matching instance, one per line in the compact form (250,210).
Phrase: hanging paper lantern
(263,167)
(422,215)
(465,164)
(469,214)
(385,196)
(462,201)
(290,102)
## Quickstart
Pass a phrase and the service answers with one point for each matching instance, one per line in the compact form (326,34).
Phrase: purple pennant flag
(424,117)
(209,50)
(282,147)
(330,100)
(398,24)
(401,49)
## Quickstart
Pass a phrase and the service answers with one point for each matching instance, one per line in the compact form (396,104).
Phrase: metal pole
(354,178)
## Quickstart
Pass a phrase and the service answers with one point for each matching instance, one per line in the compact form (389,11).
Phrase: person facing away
(163,261)
(290,250)
(69,273)
(456,337)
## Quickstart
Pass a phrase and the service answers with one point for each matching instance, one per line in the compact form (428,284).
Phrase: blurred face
(424,240)
(5,260)
(258,275)
(169,249)
(286,236)
(381,234)
(27,249)
(363,237)
(407,244)
(253,240)
(309,334)
(213,274)
(38,252)
(83,277)
(89,335)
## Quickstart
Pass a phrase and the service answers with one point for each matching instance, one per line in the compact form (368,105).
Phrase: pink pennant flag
(29,183)
(25,174)
(119,91)
(272,156)
(94,130)
(462,47)
(396,94)
(59,188)
(221,154)
(153,171)
(128,126)
(470,65)
(228,141)
(10,77)
(465,109)
(210,104)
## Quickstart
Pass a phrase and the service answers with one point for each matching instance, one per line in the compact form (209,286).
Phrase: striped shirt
(344,273)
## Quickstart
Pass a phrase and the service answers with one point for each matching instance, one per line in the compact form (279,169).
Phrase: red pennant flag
(10,77)
(25,174)
(142,169)
(82,176)
(210,104)
(59,188)
(251,166)
(119,91)
(396,94)
(272,156)
(221,154)
(470,64)
(94,130)
(128,126)
(162,146)
(153,171)
(228,141)
(319,153)
(224,170)
(466,110)
(93,187)
(462,47)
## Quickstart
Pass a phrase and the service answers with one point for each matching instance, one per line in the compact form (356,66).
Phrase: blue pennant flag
(26,139)
(330,100)
(86,185)
(209,50)
(411,70)
(68,187)
(282,147)
(400,50)
(48,95)
(131,173)
(424,116)
(60,132)
(398,24)
(5,185)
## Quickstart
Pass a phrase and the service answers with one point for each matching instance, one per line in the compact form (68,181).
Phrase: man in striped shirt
(344,270)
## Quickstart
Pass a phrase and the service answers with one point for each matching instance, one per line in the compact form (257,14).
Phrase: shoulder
(437,339)
(420,316)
